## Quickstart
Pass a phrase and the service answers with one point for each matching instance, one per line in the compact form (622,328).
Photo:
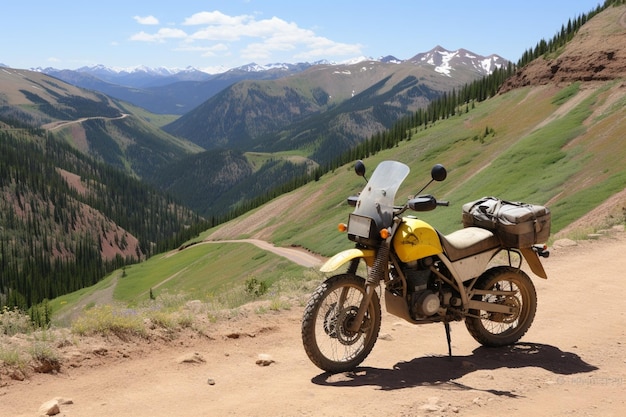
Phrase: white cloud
(218,34)
(215,18)
(147,20)
(326,48)
(161,36)
(205,51)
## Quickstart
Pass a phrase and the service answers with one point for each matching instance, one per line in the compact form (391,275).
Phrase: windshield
(377,198)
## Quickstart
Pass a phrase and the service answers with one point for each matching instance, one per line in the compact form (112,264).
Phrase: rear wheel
(326,322)
(500,329)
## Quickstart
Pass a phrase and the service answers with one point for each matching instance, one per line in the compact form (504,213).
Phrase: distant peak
(390,59)
(438,56)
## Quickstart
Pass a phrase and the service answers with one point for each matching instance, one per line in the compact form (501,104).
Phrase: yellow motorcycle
(427,277)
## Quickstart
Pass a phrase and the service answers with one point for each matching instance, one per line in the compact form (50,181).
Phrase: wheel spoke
(512,288)
(333,338)
(328,318)
(498,323)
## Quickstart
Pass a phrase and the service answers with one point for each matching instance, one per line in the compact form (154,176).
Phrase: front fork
(376,274)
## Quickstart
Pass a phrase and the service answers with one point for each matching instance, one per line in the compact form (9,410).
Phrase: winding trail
(297,255)
(59,124)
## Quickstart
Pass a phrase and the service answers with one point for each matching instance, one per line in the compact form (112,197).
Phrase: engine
(424,290)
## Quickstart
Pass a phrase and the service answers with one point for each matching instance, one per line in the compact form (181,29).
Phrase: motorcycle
(427,277)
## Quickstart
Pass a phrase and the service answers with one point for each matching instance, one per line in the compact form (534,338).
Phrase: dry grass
(25,350)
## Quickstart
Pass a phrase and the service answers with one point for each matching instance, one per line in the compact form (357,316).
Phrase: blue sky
(214,35)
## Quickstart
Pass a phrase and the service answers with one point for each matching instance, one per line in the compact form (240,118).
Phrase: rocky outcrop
(597,53)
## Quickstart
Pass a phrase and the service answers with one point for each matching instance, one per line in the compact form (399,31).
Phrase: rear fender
(346,256)
(533,261)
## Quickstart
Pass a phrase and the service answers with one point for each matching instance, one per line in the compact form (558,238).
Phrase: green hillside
(567,162)
(104,128)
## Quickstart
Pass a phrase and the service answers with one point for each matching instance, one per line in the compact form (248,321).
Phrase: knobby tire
(500,329)
(326,339)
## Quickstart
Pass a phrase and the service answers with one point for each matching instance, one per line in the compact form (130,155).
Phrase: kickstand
(447,326)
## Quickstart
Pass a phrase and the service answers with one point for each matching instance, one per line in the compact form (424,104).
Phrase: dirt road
(296,255)
(64,123)
(571,362)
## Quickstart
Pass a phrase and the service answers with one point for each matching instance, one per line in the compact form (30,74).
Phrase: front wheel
(501,329)
(327,340)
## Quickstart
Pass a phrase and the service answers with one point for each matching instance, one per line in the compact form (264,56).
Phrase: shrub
(255,287)
(47,357)
(14,321)
(11,357)
(107,320)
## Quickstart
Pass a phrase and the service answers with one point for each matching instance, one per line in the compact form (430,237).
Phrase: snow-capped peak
(445,61)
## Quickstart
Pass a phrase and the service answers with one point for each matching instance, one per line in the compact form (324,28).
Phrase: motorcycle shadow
(444,370)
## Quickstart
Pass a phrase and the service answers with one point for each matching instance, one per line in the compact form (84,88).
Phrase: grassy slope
(571,163)
(202,271)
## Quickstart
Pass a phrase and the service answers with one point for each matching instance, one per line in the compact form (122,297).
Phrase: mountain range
(177,91)
(313,112)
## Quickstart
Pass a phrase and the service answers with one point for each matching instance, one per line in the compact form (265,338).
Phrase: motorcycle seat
(467,242)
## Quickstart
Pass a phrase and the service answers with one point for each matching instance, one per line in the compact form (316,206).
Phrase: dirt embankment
(596,54)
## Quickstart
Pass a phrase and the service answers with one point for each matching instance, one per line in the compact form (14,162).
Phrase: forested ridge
(57,237)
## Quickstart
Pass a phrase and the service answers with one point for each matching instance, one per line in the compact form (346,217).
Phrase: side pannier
(518,225)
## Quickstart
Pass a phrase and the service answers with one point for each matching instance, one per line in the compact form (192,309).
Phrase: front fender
(346,256)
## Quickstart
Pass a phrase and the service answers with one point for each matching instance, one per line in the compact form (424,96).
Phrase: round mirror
(359,168)
(438,173)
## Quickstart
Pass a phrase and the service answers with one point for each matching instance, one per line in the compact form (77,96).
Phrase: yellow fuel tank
(416,239)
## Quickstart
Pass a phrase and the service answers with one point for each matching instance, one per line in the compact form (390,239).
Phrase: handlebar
(419,203)
(425,202)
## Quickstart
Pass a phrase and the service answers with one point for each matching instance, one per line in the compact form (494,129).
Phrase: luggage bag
(518,225)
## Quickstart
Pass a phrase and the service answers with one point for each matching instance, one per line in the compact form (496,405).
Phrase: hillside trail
(64,123)
(105,295)
(99,297)
(571,362)
(296,255)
